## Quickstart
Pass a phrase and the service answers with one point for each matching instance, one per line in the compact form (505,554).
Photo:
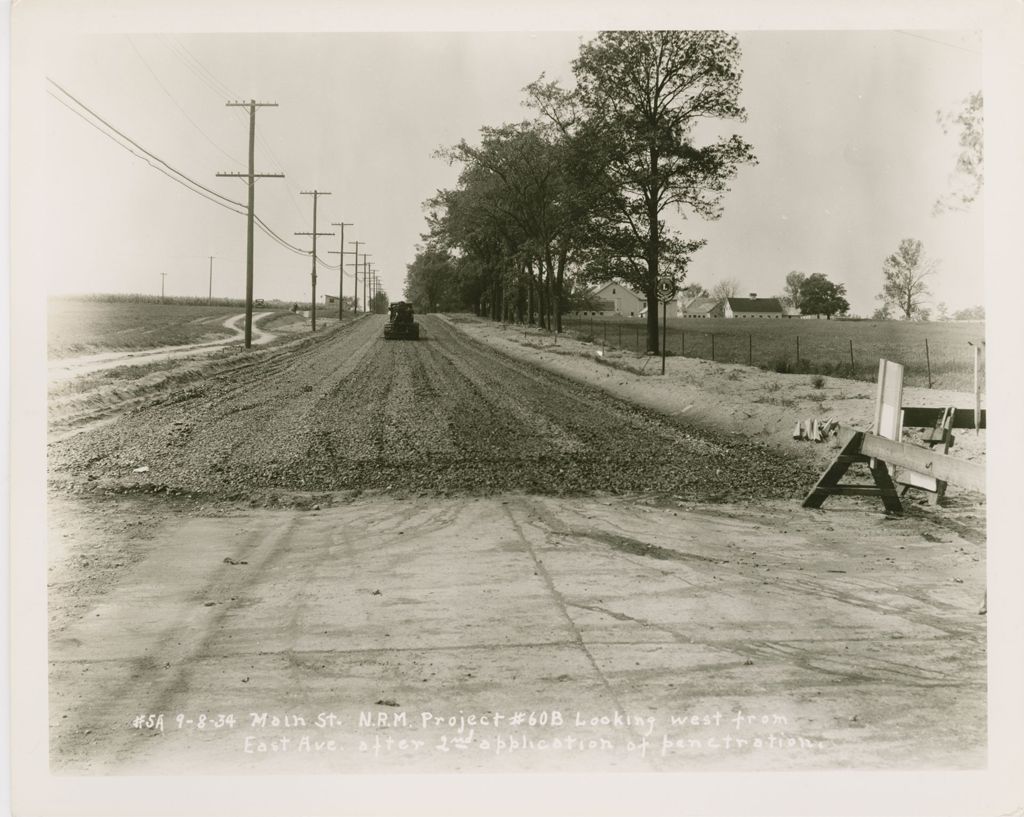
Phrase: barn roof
(755,304)
(600,288)
(700,306)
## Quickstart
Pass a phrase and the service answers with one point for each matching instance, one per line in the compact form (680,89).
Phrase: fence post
(682,342)
(750,350)
(604,340)
(591,324)
(619,327)
(797,350)
(928,362)
(638,339)
(851,355)
(712,347)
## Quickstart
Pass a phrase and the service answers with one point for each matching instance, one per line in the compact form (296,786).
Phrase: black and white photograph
(407,396)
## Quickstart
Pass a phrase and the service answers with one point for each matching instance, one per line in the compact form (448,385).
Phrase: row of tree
(904,294)
(580,193)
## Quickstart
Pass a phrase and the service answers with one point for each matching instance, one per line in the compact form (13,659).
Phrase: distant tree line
(579,194)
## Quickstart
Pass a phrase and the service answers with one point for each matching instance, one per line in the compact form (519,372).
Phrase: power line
(180,177)
(201,71)
(938,42)
(177,104)
(136,144)
(184,182)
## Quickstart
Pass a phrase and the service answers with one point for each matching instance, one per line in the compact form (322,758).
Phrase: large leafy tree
(791,295)
(820,296)
(904,281)
(528,187)
(726,288)
(638,98)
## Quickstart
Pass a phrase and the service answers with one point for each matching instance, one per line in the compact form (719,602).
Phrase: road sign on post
(666,288)
(666,292)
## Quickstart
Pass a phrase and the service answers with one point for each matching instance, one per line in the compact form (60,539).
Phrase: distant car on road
(259,302)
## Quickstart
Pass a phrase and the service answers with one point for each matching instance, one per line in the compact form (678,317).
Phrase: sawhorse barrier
(878,453)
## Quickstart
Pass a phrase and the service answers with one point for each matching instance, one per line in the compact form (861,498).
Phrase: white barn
(616,299)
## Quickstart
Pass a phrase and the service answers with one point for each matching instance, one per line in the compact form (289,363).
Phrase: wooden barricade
(878,453)
(890,460)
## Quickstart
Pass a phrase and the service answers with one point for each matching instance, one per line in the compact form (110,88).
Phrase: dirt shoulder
(795,644)
(761,405)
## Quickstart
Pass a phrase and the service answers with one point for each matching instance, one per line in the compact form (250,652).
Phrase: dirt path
(848,651)
(391,533)
(62,369)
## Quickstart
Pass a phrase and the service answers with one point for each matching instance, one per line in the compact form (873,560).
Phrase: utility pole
(315,194)
(251,177)
(209,298)
(355,273)
(365,276)
(163,275)
(341,265)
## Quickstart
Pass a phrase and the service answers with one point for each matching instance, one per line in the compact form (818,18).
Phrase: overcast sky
(851,158)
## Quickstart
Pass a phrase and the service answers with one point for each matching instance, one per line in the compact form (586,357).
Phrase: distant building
(615,299)
(704,308)
(330,299)
(791,312)
(753,307)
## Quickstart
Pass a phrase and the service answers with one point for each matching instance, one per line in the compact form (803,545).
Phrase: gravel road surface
(442,415)
(350,555)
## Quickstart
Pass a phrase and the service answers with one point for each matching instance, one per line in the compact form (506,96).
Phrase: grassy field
(84,326)
(813,346)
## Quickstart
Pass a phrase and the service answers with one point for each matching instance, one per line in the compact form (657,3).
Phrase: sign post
(666,292)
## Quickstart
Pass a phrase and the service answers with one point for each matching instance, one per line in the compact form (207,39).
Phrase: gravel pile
(443,415)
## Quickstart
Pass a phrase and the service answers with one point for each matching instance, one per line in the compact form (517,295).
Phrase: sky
(850,156)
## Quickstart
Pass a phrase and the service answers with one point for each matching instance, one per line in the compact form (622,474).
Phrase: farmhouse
(615,299)
(753,307)
(703,308)
(330,299)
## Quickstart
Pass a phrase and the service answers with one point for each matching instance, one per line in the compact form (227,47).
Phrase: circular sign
(666,288)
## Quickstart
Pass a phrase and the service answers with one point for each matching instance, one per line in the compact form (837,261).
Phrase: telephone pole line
(250,178)
(315,194)
(163,275)
(355,273)
(341,265)
(209,298)
(366,273)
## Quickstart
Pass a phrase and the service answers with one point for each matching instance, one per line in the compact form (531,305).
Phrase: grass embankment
(807,346)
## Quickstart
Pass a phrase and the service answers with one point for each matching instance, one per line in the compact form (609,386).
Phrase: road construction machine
(401,325)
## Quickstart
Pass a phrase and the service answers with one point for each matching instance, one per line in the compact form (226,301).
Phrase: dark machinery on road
(401,325)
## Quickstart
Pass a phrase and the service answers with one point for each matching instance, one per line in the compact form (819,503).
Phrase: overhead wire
(167,169)
(178,105)
(183,180)
(219,88)
(226,94)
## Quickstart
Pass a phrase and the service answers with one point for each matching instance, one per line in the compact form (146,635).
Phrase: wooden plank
(921,417)
(856,490)
(969,475)
(890,498)
(889,399)
(829,479)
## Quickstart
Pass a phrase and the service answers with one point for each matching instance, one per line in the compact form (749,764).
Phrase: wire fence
(936,355)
